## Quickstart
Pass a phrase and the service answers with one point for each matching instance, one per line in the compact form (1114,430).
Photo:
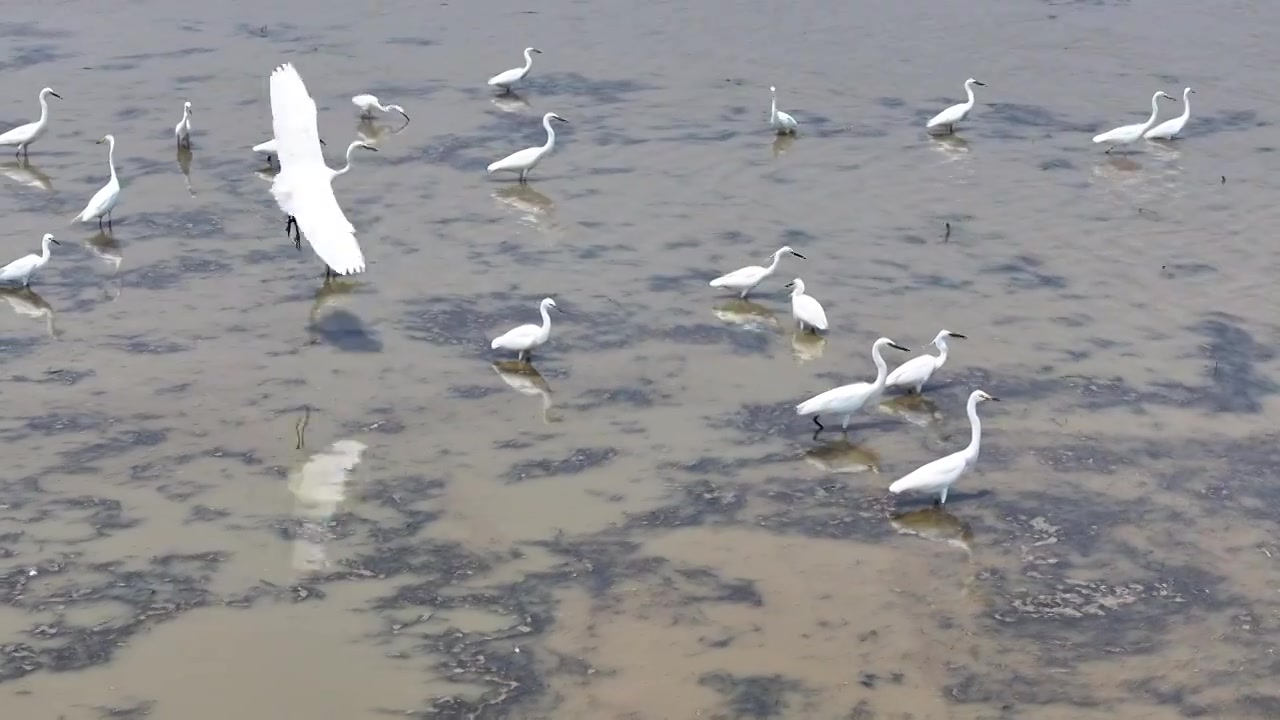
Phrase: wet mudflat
(234,490)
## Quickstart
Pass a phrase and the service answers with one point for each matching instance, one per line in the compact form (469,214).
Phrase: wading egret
(24,135)
(20,271)
(1131,133)
(522,161)
(744,280)
(805,309)
(849,399)
(1169,129)
(527,337)
(507,78)
(268,148)
(303,186)
(369,103)
(182,131)
(103,201)
(948,118)
(781,122)
(939,475)
(291,223)
(914,373)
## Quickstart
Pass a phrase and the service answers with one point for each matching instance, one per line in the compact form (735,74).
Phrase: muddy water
(231,490)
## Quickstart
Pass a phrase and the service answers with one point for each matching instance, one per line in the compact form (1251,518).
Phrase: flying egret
(849,399)
(1169,129)
(182,131)
(292,222)
(939,475)
(914,373)
(1126,134)
(369,103)
(522,161)
(527,337)
(24,135)
(268,148)
(21,270)
(957,112)
(303,186)
(508,78)
(806,310)
(781,122)
(103,201)
(744,280)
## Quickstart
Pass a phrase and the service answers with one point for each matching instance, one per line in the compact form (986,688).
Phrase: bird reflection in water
(953,147)
(806,346)
(525,379)
(184,164)
(939,526)
(319,487)
(915,409)
(27,302)
(331,294)
(842,456)
(539,210)
(746,313)
(781,144)
(23,172)
(510,103)
(107,250)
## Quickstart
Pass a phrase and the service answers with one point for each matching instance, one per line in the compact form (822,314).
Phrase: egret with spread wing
(303,186)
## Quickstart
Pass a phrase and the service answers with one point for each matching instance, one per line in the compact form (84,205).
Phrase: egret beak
(975,82)
(536,51)
(793,252)
(790,284)
(100,141)
(993,398)
(896,345)
(55,242)
(962,337)
(60,97)
(322,142)
(561,119)
(369,147)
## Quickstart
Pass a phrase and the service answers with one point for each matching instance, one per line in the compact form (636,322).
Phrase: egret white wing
(810,311)
(915,370)
(741,276)
(311,202)
(17,135)
(293,118)
(932,476)
(835,399)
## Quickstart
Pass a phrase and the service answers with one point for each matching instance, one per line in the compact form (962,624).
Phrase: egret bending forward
(849,399)
(914,373)
(24,135)
(744,280)
(527,337)
(508,78)
(292,222)
(939,475)
(522,161)
(104,201)
(1126,134)
(182,131)
(303,188)
(369,103)
(21,270)
(805,309)
(781,122)
(954,114)
(1169,129)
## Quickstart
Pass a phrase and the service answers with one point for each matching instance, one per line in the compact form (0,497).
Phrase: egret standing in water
(744,280)
(939,475)
(1126,134)
(782,123)
(1169,129)
(292,223)
(182,131)
(527,337)
(21,270)
(507,78)
(24,135)
(849,399)
(954,114)
(369,103)
(914,373)
(805,309)
(522,161)
(104,201)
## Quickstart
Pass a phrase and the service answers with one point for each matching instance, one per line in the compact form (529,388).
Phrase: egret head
(1164,94)
(941,339)
(549,303)
(106,138)
(322,142)
(982,396)
(554,116)
(787,249)
(971,81)
(186,106)
(798,284)
(886,341)
(533,50)
(773,89)
(49,91)
(48,238)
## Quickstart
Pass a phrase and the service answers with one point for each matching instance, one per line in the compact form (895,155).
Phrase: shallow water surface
(233,489)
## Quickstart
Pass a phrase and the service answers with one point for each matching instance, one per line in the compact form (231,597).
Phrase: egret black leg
(821,427)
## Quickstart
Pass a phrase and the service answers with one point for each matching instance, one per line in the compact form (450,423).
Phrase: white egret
(1169,129)
(268,148)
(303,186)
(20,271)
(806,309)
(527,337)
(103,201)
(522,161)
(939,475)
(1126,134)
(182,131)
(369,103)
(24,135)
(781,122)
(508,78)
(914,373)
(954,114)
(292,222)
(849,399)
(744,280)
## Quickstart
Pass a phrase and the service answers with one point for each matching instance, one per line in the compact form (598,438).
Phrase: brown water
(644,529)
